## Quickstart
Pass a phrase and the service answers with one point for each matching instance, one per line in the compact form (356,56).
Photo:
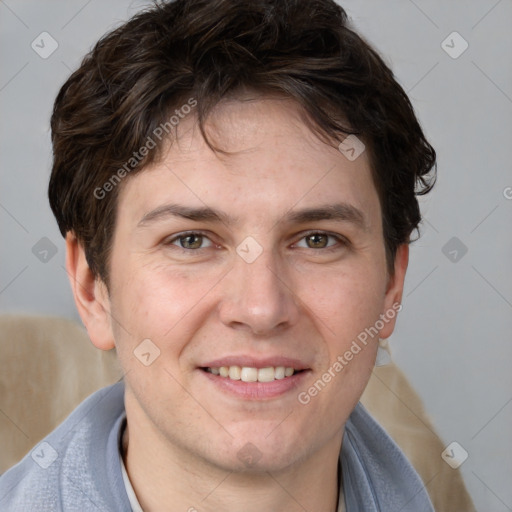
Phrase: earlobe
(394,292)
(90,294)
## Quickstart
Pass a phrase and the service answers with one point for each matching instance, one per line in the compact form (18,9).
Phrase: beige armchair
(49,366)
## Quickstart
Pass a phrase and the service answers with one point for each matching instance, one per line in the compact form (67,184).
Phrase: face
(269,258)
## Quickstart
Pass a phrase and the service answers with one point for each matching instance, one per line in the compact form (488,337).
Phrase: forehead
(274,164)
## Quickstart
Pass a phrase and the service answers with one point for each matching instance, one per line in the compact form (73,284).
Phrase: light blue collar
(377,477)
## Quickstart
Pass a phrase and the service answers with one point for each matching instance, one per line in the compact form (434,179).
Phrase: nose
(258,297)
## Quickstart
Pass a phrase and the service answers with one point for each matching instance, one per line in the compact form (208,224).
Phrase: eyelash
(342,241)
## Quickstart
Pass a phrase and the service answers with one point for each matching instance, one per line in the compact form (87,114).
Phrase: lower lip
(256,390)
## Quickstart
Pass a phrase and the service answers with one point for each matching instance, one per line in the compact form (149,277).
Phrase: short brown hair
(137,75)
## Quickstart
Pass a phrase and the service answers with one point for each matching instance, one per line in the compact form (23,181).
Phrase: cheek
(345,302)
(347,306)
(158,303)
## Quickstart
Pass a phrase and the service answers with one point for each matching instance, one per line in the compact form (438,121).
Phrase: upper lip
(256,362)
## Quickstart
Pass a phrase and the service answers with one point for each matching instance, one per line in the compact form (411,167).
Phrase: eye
(189,241)
(194,241)
(319,240)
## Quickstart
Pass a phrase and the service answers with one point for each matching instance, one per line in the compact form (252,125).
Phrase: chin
(256,452)
(251,461)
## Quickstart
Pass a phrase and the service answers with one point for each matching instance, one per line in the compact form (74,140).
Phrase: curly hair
(133,78)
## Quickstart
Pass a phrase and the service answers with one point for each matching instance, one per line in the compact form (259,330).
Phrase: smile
(251,374)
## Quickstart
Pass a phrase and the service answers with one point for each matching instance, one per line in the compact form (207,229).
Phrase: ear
(394,291)
(91,295)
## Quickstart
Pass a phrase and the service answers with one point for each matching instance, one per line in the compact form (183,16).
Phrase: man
(236,182)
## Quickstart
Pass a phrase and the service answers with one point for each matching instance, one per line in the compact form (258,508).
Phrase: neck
(165,474)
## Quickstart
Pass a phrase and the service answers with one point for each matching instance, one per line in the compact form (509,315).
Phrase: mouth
(255,379)
(253,374)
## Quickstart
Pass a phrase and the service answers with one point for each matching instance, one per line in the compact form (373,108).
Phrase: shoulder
(76,467)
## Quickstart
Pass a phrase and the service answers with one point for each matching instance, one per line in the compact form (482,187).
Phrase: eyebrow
(339,212)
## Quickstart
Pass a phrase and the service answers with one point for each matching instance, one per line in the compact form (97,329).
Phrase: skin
(297,299)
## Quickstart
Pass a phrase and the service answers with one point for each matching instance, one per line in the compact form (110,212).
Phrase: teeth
(280,372)
(266,374)
(234,373)
(248,374)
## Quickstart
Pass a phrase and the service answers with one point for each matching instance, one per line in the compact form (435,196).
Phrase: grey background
(453,338)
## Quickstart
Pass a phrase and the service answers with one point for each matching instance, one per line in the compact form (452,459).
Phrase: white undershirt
(132,498)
